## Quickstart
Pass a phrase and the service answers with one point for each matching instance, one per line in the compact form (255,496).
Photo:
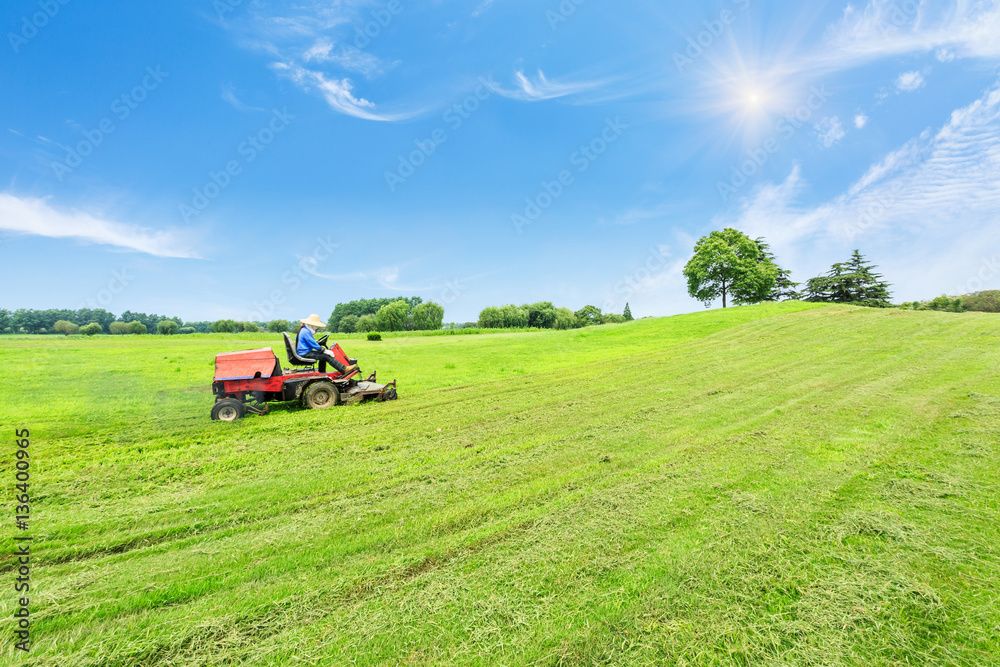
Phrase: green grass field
(782,484)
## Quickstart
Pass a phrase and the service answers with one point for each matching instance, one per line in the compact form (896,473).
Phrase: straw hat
(314,321)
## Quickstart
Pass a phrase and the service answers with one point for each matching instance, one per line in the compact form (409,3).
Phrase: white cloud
(830,131)
(303,43)
(229,95)
(338,93)
(889,27)
(483,7)
(907,82)
(345,56)
(860,121)
(37,217)
(944,55)
(541,88)
(916,198)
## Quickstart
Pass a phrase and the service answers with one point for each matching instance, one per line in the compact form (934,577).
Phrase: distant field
(785,484)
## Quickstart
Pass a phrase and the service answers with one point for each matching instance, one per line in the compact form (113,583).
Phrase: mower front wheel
(321,395)
(228,410)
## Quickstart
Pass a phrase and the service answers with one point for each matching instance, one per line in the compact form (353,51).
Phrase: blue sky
(266,159)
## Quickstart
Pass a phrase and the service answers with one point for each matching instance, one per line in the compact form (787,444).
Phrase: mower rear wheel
(321,395)
(228,410)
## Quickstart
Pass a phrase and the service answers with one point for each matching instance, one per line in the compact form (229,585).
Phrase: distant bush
(224,326)
(984,302)
(167,327)
(119,328)
(136,327)
(65,328)
(365,323)
(186,330)
(614,318)
(374,335)
(91,329)
(278,326)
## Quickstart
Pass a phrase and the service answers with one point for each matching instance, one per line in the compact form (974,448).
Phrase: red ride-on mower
(247,381)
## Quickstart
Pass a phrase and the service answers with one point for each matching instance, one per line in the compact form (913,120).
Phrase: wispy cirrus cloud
(540,87)
(229,95)
(37,217)
(386,278)
(885,28)
(346,56)
(310,43)
(339,94)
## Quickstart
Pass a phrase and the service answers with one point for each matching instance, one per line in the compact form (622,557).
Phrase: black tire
(321,395)
(228,410)
(389,394)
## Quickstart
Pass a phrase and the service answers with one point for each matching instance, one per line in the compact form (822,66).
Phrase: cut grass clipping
(782,484)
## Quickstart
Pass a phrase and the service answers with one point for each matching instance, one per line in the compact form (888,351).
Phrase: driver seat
(293,358)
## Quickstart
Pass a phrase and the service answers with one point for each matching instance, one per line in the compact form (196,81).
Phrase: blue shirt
(307,343)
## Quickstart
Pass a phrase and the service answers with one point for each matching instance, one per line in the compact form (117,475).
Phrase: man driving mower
(306,345)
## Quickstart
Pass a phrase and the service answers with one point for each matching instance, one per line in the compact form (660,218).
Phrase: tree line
(84,320)
(982,302)
(386,314)
(544,315)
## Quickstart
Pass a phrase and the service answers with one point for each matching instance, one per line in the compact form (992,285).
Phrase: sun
(754,99)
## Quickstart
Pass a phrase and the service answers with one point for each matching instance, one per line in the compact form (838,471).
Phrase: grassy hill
(781,484)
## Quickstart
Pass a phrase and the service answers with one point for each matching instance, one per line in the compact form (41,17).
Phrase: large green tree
(565,319)
(392,316)
(728,263)
(490,317)
(428,316)
(541,315)
(853,281)
(588,316)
